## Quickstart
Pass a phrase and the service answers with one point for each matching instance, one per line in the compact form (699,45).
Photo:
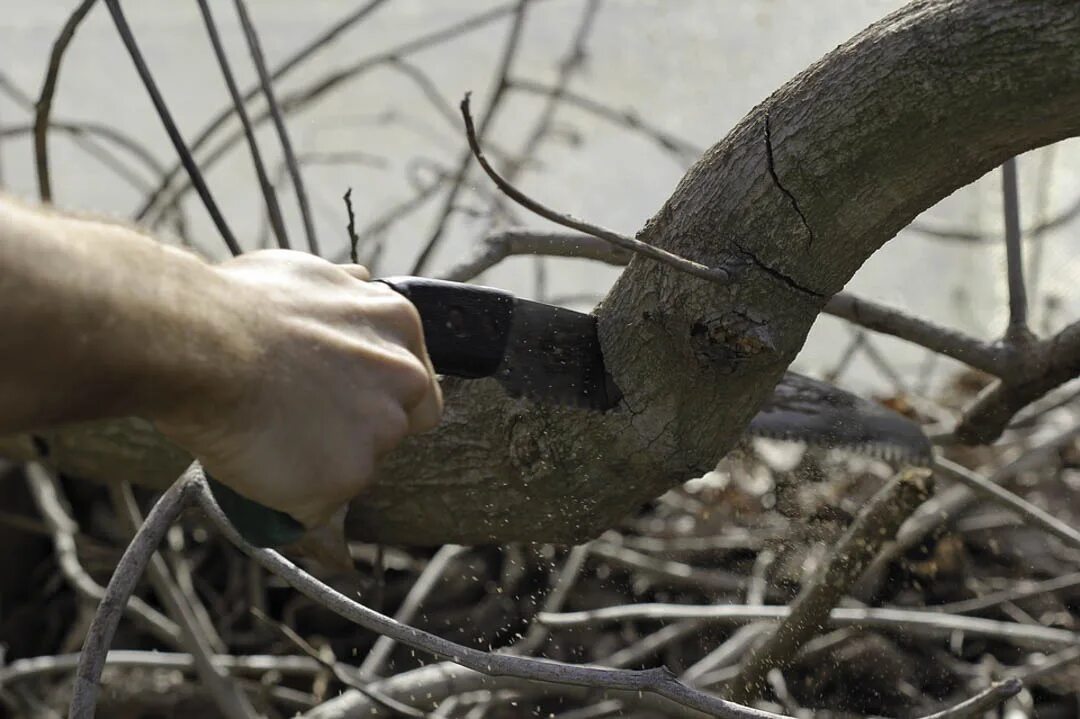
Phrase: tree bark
(796,197)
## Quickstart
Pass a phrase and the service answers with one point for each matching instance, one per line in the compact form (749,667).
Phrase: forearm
(97,320)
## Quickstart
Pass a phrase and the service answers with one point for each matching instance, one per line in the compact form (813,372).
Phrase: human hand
(330,372)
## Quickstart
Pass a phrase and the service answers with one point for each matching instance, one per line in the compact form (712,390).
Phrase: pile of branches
(793,578)
(784,582)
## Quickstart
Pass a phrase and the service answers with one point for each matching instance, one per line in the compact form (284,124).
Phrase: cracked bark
(780,185)
(919,104)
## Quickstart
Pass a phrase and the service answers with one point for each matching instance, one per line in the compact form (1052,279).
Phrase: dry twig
(170,126)
(127,574)
(655,681)
(267,84)
(628,243)
(878,521)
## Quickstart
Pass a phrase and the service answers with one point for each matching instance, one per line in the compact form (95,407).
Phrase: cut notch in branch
(635,245)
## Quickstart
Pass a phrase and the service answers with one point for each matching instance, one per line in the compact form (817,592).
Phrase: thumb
(327,544)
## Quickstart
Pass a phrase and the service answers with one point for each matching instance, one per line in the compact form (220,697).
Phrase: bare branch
(900,620)
(350,227)
(1037,230)
(633,244)
(498,92)
(1018,306)
(425,583)
(436,682)
(878,521)
(267,83)
(682,149)
(170,126)
(655,681)
(494,248)
(124,578)
(998,494)
(228,696)
(46,492)
(982,702)
(273,209)
(879,318)
(1046,366)
(203,136)
(45,99)
(1025,590)
(35,667)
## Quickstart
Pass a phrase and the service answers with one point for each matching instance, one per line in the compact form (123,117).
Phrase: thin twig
(656,681)
(982,702)
(878,521)
(498,92)
(567,66)
(46,493)
(436,682)
(227,695)
(733,649)
(494,248)
(684,150)
(301,98)
(1015,594)
(85,131)
(1009,500)
(45,99)
(37,667)
(350,227)
(633,244)
(267,83)
(903,620)
(273,209)
(425,583)
(127,574)
(563,583)
(344,674)
(170,127)
(671,571)
(203,136)
(887,320)
(1035,231)
(1018,306)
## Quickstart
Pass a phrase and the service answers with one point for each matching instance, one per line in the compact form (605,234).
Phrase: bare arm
(286,375)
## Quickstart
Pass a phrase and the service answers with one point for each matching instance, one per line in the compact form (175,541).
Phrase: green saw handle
(258,524)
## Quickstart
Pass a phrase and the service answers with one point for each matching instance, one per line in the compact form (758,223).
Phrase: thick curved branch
(864,140)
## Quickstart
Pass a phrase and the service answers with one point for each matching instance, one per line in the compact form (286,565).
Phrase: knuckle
(392,428)
(413,379)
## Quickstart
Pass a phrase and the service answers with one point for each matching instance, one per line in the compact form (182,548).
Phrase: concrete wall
(691,67)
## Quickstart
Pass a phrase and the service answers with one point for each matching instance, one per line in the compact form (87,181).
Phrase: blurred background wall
(689,69)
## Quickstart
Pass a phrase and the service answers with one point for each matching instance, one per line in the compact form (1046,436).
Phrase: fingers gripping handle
(466,328)
(257,523)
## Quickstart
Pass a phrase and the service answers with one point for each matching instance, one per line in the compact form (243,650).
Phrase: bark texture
(796,197)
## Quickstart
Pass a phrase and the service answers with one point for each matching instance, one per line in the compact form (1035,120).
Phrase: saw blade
(806,410)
